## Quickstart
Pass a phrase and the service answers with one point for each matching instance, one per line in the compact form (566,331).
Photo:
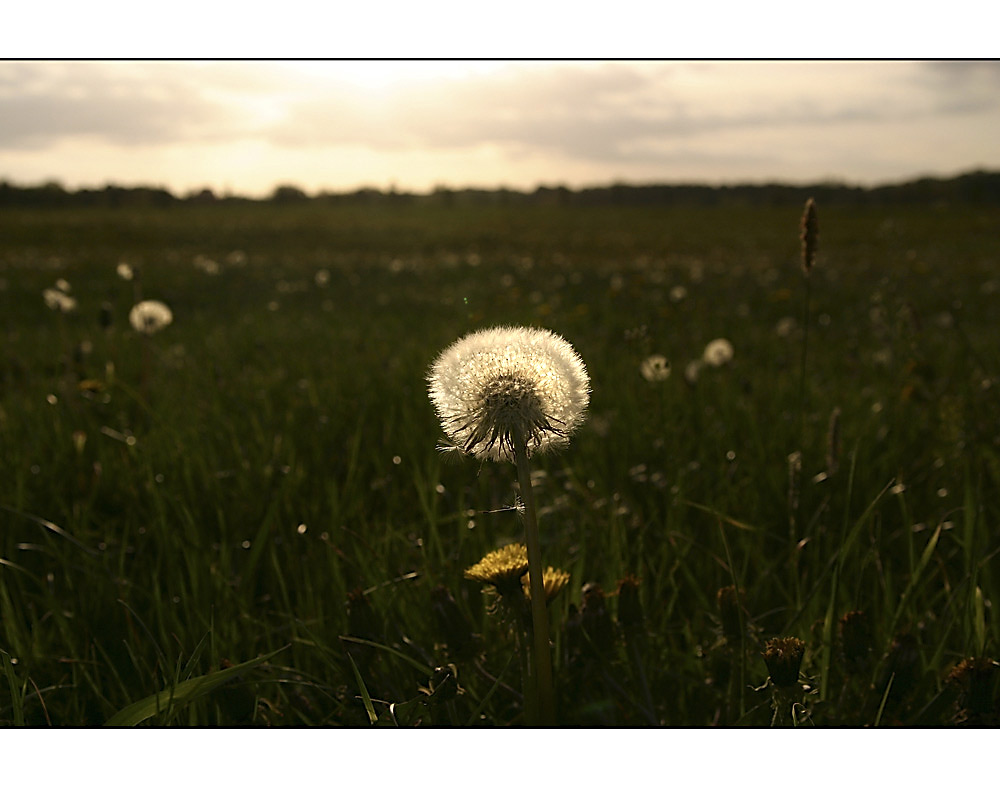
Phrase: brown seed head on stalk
(784,658)
(809,235)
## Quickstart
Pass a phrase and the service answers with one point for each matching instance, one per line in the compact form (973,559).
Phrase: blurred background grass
(268,478)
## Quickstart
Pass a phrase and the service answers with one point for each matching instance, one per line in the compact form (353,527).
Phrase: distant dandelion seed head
(148,317)
(655,368)
(718,352)
(692,371)
(124,271)
(58,301)
(502,387)
(785,327)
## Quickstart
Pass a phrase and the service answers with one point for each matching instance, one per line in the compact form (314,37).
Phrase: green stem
(527,676)
(541,654)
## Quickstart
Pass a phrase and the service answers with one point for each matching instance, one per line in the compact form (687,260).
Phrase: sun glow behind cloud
(248,126)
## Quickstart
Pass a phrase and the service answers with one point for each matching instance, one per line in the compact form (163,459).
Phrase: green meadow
(245,518)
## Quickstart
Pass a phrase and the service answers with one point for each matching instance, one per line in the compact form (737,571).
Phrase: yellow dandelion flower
(555,580)
(501,568)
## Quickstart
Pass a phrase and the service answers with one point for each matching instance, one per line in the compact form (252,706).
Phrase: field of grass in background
(261,478)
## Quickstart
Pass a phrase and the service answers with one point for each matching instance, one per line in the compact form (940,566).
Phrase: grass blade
(16,696)
(184,692)
(390,650)
(365,697)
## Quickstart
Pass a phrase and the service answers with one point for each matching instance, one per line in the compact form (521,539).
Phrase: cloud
(121,103)
(593,120)
(959,86)
(620,112)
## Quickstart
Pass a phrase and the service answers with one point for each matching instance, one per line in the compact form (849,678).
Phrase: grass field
(257,488)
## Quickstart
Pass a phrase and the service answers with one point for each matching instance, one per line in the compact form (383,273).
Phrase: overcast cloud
(247,126)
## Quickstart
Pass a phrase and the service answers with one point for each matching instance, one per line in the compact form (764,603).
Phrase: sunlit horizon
(247,127)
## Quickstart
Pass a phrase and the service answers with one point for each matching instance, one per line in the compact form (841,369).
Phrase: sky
(245,127)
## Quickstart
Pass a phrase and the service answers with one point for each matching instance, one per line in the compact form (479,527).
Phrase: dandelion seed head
(58,301)
(236,258)
(655,368)
(207,265)
(125,272)
(148,317)
(718,352)
(785,327)
(499,387)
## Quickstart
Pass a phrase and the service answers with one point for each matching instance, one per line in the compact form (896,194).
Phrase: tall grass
(274,491)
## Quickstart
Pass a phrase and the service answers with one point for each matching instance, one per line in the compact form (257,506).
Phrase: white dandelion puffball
(655,368)
(148,317)
(718,352)
(500,387)
(125,271)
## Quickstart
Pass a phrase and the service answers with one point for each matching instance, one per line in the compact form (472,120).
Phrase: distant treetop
(978,186)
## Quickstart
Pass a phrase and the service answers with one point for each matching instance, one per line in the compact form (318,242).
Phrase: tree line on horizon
(978,186)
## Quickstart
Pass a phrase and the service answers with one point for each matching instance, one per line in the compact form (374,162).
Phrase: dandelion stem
(541,654)
(528,693)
